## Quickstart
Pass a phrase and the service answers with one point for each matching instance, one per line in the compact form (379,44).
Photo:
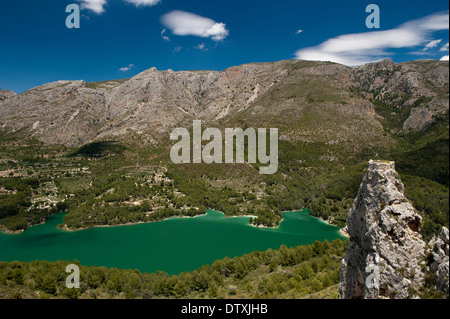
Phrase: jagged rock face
(152,103)
(384,239)
(403,85)
(440,264)
(387,78)
(421,117)
(4,94)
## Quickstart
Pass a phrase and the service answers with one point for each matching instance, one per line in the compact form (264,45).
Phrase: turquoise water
(173,245)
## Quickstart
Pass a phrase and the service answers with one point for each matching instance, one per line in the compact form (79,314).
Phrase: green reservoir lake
(173,245)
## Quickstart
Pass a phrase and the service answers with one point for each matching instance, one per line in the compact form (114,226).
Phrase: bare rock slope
(152,103)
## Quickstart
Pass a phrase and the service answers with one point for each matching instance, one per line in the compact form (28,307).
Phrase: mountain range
(307,101)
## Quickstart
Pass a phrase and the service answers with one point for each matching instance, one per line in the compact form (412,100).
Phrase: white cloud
(444,47)
(201,46)
(127,68)
(184,23)
(432,44)
(361,48)
(94,5)
(164,36)
(177,49)
(138,3)
(98,6)
(444,58)
(299,31)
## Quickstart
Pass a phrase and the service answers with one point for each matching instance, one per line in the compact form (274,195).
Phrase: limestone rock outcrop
(440,264)
(4,94)
(386,257)
(152,103)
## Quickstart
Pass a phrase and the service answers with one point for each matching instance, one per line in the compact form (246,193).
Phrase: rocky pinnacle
(386,254)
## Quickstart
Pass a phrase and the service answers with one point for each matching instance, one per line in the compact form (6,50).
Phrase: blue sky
(120,38)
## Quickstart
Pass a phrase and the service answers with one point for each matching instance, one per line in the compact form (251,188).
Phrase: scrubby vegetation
(99,149)
(300,272)
(16,208)
(106,183)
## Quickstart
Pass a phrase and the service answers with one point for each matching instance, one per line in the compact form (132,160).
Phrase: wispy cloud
(98,6)
(432,44)
(299,31)
(185,23)
(201,47)
(177,49)
(361,48)
(164,36)
(444,47)
(138,3)
(127,68)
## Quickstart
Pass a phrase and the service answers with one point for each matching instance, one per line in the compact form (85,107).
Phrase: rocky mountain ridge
(4,94)
(152,103)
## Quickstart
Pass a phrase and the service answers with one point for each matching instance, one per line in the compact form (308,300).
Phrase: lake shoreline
(342,231)
(11,232)
(177,245)
(65,228)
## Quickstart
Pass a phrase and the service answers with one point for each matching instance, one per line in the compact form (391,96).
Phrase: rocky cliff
(152,103)
(387,257)
(4,94)
(440,260)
